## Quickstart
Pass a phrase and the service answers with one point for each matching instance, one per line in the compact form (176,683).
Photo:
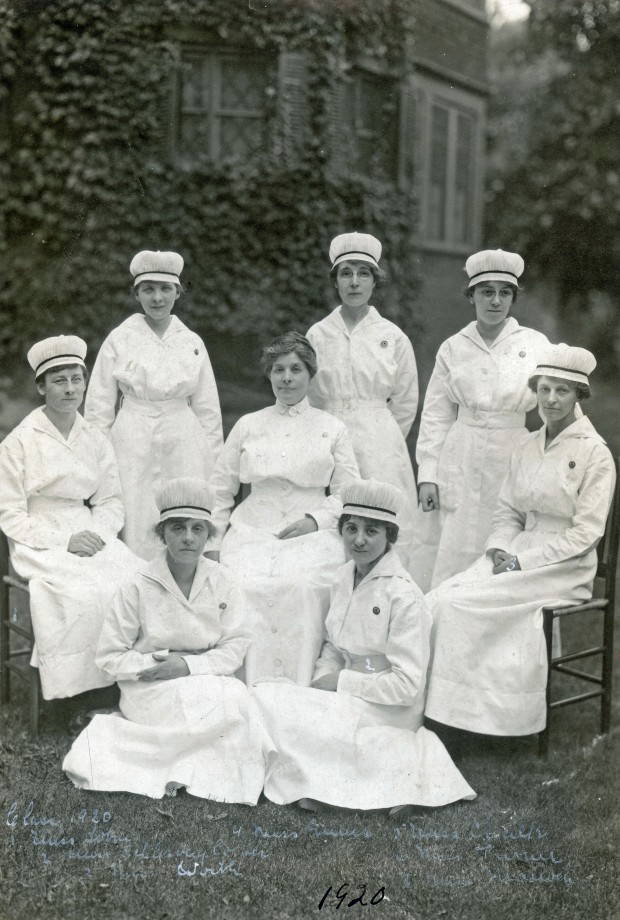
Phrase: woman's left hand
(174,666)
(504,562)
(298,528)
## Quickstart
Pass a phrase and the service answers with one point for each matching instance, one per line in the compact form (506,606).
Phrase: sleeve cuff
(325,520)
(351,682)
(427,472)
(198,664)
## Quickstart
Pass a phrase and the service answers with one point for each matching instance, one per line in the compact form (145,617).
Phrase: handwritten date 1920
(343,892)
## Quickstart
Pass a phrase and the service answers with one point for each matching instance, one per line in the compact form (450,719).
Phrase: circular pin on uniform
(384,343)
(376,611)
(572,464)
(196,351)
(223,606)
(522,354)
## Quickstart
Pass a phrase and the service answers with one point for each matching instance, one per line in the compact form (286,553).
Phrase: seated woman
(489,667)
(61,508)
(362,746)
(174,640)
(282,543)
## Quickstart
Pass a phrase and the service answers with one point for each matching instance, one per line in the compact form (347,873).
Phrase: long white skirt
(69,599)
(155,442)
(344,751)
(285,595)
(193,731)
(488,670)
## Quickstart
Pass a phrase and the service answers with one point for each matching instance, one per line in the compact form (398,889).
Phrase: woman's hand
(428,496)
(213,554)
(85,543)
(327,682)
(174,666)
(369,664)
(299,528)
(504,562)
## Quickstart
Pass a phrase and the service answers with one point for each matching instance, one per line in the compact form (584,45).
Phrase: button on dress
(169,423)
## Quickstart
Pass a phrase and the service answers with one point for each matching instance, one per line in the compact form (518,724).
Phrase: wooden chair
(601,604)
(15,623)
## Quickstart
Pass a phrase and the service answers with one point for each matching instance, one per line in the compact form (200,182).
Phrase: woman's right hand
(85,543)
(428,496)
(213,554)
(327,682)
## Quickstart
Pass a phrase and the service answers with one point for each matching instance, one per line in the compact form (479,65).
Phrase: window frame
(212,57)
(456,101)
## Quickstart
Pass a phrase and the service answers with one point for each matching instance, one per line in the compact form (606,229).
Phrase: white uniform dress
(472,421)
(489,666)
(290,455)
(368,379)
(363,746)
(191,731)
(169,423)
(51,488)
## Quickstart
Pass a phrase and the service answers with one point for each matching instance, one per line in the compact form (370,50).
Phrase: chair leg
(543,736)
(34,703)
(607,669)
(5,687)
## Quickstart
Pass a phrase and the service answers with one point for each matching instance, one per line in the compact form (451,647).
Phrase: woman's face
(355,283)
(157,299)
(289,378)
(364,540)
(186,539)
(63,389)
(557,399)
(492,300)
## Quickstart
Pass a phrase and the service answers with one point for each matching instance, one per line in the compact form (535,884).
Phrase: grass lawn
(540,841)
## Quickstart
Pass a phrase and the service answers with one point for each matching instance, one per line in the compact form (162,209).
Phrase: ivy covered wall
(88,179)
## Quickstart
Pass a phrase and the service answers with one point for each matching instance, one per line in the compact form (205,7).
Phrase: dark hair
(583,389)
(40,378)
(285,344)
(391,530)
(377,273)
(468,291)
(160,527)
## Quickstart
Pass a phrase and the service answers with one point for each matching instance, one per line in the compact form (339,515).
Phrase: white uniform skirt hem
(194,732)
(346,752)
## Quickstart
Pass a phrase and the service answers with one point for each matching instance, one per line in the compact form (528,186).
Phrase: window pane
(239,137)
(193,89)
(463,179)
(243,85)
(438,174)
(374,125)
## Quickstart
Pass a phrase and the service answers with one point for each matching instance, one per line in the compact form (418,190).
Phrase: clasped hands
(169,669)
(298,528)
(365,664)
(85,543)
(504,562)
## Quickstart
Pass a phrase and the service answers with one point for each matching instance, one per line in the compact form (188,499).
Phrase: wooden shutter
(293,104)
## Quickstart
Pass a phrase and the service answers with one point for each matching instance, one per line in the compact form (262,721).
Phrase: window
(449,174)
(220,106)
(369,122)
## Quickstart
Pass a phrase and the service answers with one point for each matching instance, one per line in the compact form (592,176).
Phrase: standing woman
(367,374)
(61,509)
(169,422)
(282,544)
(474,413)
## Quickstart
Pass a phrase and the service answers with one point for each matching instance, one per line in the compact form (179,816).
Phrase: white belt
(483,418)
(350,403)
(153,407)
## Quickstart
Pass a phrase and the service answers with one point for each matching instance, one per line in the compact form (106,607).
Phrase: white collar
(298,409)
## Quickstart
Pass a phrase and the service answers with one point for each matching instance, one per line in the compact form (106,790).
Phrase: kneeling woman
(489,667)
(362,746)
(61,508)
(173,640)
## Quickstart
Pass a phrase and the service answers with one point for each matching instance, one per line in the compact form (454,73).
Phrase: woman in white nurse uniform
(61,509)
(173,640)
(474,417)
(367,374)
(282,543)
(169,422)
(363,744)
(489,665)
